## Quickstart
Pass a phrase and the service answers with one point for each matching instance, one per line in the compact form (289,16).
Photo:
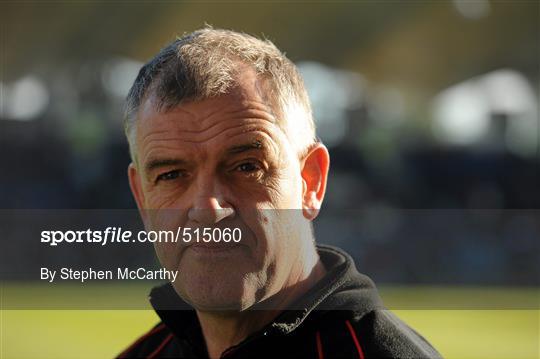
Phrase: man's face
(222,163)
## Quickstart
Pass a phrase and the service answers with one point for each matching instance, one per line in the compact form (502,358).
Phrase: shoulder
(376,334)
(386,336)
(149,345)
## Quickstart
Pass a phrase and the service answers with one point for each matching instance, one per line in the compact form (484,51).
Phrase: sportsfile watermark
(118,235)
(110,258)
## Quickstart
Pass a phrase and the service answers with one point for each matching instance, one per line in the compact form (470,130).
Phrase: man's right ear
(136,190)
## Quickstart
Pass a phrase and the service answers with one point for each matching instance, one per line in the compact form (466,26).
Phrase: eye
(169,176)
(248,167)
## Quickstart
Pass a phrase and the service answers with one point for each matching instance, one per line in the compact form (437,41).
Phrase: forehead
(199,114)
(240,115)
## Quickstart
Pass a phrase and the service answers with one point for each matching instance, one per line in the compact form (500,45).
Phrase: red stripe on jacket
(355,340)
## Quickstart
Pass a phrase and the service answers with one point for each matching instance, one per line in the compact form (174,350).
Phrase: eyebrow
(254,145)
(166,162)
(163,162)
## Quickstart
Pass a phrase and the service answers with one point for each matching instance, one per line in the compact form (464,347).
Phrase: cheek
(278,249)
(287,191)
(164,197)
(275,231)
(286,235)
(165,223)
(168,255)
(257,220)
(166,219)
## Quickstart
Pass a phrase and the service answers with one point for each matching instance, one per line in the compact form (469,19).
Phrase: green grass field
(456,333)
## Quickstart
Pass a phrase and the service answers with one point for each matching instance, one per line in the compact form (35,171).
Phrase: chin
(215,292)
(218,306)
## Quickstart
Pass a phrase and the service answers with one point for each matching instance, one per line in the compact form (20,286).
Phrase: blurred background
(429,110)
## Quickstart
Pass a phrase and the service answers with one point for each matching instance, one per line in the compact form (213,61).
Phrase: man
(222,138)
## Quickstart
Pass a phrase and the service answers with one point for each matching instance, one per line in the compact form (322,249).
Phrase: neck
(223,329)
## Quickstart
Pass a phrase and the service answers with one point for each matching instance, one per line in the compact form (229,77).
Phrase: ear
(314,173)
(136,189)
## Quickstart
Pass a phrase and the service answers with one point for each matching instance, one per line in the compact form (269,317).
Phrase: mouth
(213,247)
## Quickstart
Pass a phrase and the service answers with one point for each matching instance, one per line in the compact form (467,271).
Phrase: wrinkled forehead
(208,126)
(199,115)
(251,97)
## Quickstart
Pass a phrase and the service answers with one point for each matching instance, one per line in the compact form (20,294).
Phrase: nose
(210,206)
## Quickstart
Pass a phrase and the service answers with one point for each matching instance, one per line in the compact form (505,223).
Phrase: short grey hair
(205,64)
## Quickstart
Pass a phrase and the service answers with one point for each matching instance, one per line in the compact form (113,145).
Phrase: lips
(213,247)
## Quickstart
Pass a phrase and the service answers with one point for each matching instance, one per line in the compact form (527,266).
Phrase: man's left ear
(314,173)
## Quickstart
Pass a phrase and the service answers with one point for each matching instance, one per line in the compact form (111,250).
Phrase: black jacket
(340,317)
